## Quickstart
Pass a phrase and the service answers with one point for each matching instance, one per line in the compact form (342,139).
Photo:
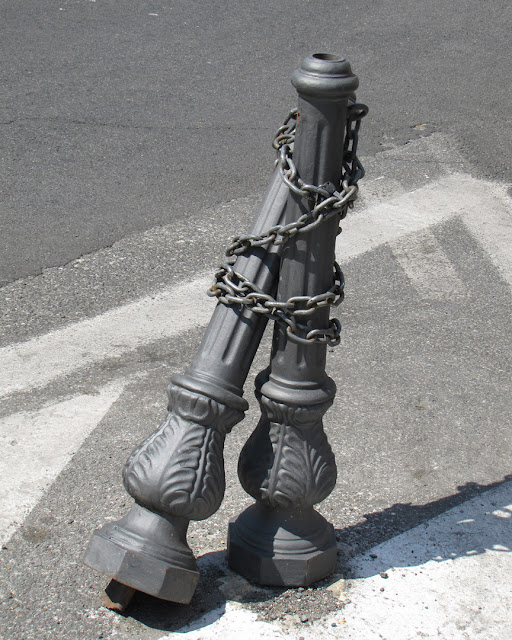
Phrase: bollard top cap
(325,76)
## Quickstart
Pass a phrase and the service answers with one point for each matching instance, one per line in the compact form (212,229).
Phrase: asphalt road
(118,117)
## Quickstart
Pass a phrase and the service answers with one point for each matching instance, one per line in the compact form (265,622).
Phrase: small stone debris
(383,574)
(304,619)
(373,555)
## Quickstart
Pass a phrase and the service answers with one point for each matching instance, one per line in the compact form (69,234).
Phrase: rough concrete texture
(448,578)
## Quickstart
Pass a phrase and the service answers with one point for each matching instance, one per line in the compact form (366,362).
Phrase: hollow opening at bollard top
(328,56)
(325,76)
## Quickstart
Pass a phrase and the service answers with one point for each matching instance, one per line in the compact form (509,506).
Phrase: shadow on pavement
(461,541)
(218,584)
(208,603)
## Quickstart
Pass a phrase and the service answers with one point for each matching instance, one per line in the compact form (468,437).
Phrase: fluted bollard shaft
(177,473)
(287,464)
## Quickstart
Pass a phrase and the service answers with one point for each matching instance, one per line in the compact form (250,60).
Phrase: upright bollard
(177,474)
(287,464)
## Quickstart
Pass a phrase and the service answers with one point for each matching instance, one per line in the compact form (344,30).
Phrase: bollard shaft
(223,360)
(307,262)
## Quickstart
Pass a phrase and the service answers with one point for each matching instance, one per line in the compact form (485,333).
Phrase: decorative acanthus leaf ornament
(288,462)
(179,469)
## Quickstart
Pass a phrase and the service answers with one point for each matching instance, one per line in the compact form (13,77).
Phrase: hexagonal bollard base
(147,552)
(282,548)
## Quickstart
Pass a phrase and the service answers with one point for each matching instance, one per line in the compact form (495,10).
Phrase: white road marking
(447,578)
(35,363)
(36,446)
(425,263)
(230,623)
(484,206)
(493,229)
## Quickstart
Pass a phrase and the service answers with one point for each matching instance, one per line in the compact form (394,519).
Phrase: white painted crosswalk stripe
(427,266)
(37,362)
(36,446)
(484,207)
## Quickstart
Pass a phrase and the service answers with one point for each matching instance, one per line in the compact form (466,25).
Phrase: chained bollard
(177,474)
(287,464)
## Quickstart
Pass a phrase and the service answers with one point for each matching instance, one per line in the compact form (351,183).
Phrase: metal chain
(231,287)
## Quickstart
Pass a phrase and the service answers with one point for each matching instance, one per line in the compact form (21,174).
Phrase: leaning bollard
(177,474)
(287,464)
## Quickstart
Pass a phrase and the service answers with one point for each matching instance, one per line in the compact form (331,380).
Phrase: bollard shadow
(482,528)
(219,585)
(208,603)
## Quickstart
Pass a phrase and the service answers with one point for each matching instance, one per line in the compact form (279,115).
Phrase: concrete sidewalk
(448,578)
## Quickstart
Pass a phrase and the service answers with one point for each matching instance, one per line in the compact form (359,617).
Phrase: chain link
(231,287)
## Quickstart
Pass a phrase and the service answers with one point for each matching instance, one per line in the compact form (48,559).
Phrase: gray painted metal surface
(287,465)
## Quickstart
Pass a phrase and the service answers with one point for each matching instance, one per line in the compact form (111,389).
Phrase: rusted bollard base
(148,552)
(117,596)
(282,548)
